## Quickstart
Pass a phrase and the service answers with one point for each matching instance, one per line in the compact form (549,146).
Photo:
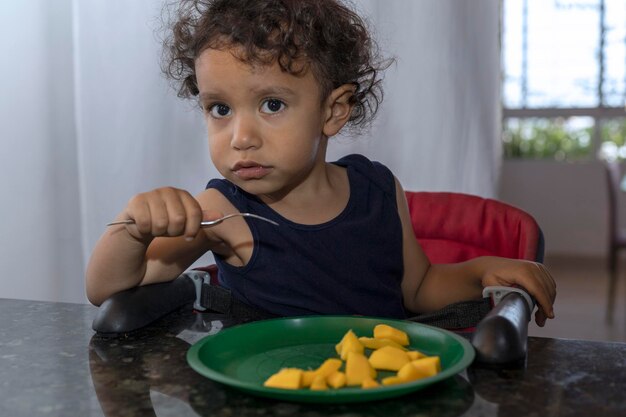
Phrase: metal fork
(210,223)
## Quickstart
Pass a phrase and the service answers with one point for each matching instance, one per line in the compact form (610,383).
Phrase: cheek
(216,147)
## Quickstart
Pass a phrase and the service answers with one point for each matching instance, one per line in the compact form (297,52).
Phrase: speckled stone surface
(53,364)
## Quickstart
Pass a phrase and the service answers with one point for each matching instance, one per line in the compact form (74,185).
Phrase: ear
(338,109)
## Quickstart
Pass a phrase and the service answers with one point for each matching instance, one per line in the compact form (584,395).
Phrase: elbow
(95,294)
(93,297)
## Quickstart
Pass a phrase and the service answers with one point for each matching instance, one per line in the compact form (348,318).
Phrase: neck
(317,199)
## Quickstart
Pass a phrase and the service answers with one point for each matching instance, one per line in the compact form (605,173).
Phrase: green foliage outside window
(546,139)
(613,138)
(563,139)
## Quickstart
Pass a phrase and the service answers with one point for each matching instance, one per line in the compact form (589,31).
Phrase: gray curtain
(87,121)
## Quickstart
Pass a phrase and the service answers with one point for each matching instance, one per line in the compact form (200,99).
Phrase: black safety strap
(461,315)
(211,296)
(219,299)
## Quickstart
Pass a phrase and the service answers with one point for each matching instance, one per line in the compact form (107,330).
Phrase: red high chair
(455,227)
(451,227)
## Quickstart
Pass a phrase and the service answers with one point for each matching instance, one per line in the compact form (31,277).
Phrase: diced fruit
(319,383)
(428,366)
(383,331)
(393,380)
(286,378)
(336,379)
(414,354)
(328,367)
(358,369)
(388,358)
(373,343)
(389,353)
(349,343)
(307,378)
(369,383)
(410,373)
(339,345)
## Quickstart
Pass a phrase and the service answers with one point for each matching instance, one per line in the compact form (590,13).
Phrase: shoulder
(215,199)
(375,171)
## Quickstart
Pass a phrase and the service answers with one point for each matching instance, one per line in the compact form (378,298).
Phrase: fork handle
(202,224)
(129,221)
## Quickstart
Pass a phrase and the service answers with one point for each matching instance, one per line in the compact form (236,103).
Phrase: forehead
(223,70)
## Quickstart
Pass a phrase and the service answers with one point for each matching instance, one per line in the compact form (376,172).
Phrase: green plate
(244,356)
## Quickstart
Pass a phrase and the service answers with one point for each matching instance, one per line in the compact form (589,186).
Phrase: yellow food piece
(388,353)
(388,358)
(358,369)
(373,343)
(414,354)
(307,378)
(319,383)
(286,378)
(369,383)
(339,345)
(349,343)
(429,366)
(410,373)
(393,380)
(328,367)
(336,379)
(383,331)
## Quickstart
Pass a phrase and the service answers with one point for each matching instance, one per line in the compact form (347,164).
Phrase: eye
(219,110)
(272,106)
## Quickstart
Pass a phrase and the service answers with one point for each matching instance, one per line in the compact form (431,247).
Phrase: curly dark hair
(331,38)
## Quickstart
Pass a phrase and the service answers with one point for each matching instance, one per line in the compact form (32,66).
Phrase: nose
(245,133)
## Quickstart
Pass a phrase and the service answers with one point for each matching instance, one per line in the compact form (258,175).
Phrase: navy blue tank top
(350,265)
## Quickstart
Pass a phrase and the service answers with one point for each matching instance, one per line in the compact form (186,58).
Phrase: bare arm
(165,240)
(428,287)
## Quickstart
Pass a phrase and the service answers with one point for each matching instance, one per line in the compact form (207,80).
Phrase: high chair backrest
(455,227)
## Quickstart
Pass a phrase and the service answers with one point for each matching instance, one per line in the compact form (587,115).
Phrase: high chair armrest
(136,308)
(501,337)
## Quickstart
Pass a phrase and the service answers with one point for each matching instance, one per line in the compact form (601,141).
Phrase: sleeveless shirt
(351,264)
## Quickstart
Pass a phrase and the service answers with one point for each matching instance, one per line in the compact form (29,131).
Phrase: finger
(537,288)
(551,288)
(547,272)
(546,290)
(552,281)
(193,214)
(176,212)
(138,210)
(545,304)
(158,213)
(540,318)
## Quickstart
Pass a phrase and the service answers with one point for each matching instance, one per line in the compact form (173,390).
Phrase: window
(564,79)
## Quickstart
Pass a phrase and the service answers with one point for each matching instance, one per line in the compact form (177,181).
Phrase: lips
(250,170)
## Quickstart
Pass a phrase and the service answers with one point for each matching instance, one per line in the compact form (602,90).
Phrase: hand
(164,211)
(531,276)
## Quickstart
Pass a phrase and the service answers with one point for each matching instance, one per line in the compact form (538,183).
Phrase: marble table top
(53,364)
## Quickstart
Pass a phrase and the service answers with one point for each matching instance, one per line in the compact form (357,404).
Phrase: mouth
(250,170)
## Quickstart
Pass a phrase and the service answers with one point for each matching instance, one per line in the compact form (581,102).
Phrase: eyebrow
(261,91)
(209,96)
(273,90)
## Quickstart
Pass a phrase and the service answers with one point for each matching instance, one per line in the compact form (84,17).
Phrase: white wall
(87,120)
(37,134)
(568,200)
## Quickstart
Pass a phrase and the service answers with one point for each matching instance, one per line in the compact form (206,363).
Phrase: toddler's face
(264,125)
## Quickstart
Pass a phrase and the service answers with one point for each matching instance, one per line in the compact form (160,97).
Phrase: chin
(254,187)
